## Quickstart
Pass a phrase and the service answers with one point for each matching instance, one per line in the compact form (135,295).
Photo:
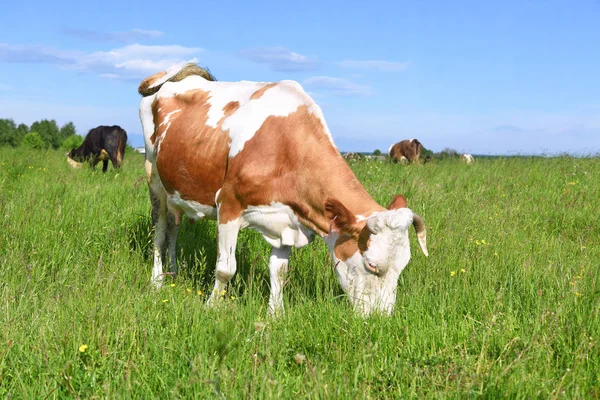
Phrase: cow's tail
(176,73)
(121,148)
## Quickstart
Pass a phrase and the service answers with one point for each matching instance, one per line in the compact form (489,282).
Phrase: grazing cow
(406,151)
(101,144)
(353,156)
(260,155)
(467,158)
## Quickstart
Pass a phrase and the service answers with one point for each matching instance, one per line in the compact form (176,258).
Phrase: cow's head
(73,159)
(370,253)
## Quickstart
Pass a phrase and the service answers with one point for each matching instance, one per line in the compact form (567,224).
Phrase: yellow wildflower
(463,270)
(483,241)
(165,300)
(452,273)
(199,292)
(83,348)
(577,294)
(477,242)
(172,285)
(496,254)
(189,290)
(232,297)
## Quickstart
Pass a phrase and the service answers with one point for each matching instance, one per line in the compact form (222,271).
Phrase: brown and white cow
(260,155)
(406,151)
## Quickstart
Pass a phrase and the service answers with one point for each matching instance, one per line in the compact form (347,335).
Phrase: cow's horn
(421,233)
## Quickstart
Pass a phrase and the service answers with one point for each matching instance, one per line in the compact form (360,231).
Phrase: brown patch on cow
(103,155)
(410,149)
(149,81)
(342,219)
(229,109)
(191,157)
(154,108)
(398,202)
(346,246)
(258,94)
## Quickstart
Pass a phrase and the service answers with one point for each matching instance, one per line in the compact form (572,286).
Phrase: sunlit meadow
(507,303)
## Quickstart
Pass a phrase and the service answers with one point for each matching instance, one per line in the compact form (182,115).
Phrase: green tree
(33,140)
(377,152)
(66,131)
(48,131)
(7,132)
(71,142)
(20,133)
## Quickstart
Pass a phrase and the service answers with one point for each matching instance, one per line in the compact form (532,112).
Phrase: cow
(102,143)
(467,158)
(406,151)
(352,156)
(260,155)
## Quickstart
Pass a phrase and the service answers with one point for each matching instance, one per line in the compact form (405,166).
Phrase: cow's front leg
(278,267)
(226,263)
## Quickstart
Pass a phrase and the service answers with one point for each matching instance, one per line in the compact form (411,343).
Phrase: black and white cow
(101,144)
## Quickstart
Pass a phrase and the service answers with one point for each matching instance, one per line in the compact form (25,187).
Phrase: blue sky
(481,77)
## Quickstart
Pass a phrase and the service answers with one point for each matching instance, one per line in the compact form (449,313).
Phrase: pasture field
(506,305)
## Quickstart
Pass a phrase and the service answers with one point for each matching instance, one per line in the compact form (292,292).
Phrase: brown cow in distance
(406,150)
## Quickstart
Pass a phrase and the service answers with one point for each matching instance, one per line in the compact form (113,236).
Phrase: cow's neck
(337,181)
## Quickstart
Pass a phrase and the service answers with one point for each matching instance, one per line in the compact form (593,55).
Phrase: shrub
(33,140)
(72,142)
(377,152)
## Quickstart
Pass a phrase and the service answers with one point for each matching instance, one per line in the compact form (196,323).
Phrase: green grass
(507,304)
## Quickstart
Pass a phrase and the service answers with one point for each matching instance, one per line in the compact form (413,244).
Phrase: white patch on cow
(278,224)
(191,208)
(226,262)
(225,93)
(147,120)
(390,149)
(278,267)
(277,101)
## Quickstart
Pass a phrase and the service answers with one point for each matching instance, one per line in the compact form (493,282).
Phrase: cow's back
(210,134)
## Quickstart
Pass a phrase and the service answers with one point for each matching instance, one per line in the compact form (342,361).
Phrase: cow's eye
(371,266)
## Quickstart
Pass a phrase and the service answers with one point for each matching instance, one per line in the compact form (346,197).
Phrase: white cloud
(279,59)
(375,65)
(123,37)
(338,86)
(133,61)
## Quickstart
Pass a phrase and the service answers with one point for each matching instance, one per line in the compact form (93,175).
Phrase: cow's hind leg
(158,199)
(278,267)
(104,165)
(172,231)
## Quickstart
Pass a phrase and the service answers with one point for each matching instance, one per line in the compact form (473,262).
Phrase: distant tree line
(44,134)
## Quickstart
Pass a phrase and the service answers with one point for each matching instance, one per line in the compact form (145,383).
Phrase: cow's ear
(398,202)
(341,219)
